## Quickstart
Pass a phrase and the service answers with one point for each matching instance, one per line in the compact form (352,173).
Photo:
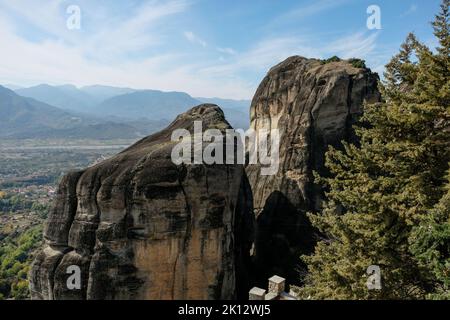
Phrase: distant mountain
(119,104)
(12,87)
(101,93)
(21,115)
(237,119)
(158,105)
(24,118)
(241,105)
(151,104)
(236,111)
(67,97)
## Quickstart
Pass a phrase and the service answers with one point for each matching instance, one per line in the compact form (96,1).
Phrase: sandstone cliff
(313,104)
(141,227)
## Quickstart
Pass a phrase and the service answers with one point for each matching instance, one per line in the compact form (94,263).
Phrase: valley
(30,171)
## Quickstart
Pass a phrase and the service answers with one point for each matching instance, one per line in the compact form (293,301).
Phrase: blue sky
(204,47)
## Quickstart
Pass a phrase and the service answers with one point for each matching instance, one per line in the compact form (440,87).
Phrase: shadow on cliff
(244,236)
(282,235)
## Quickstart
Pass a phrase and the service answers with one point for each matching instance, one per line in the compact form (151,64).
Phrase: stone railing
(276,291)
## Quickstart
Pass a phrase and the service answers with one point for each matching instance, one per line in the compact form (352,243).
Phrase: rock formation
(313,104)
(140,227)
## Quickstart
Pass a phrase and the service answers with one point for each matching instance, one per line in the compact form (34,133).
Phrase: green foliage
(357,63)
(14,203)
(332,59)
(387,202)
(41,209)
(11,203)
(430,243)
(15,256)
(19,290)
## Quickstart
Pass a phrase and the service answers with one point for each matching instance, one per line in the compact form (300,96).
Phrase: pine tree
(430,243)
(382,190)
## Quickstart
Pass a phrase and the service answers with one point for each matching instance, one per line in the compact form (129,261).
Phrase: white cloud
(43,16)
(413,8)
(105,53)
(354,46)
(227,50)
(193,38)
(104,37)
(310,9)
(26,62)
(261,56)
(269,52)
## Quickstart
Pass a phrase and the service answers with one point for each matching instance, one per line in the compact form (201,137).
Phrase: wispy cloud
(135,48)
(193,38)
(356,45)
(27,62)
(137,32)
(310,9)
(43,16)
(103,36)
(227,50)
(259,57)
(412,8)
(268,52)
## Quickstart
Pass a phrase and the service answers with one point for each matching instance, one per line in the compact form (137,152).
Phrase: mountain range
(102,112)
(25,118)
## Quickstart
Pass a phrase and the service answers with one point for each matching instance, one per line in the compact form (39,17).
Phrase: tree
(384,192)
(430,243)
(15,259)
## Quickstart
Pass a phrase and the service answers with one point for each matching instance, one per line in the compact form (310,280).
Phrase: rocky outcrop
(140,227)
(313,104)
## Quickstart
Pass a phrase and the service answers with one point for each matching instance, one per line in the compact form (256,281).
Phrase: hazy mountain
(158,105)
(115,104)
(67,97)
(20,115)
(241,105)
(151,104)
(101,93)
(236,111)
(237,119)
(12,86)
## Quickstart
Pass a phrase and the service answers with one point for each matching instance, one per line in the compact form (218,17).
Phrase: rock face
(140,227)
(313,105)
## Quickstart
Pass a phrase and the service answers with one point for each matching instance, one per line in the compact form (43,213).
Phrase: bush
(332,59)
(357,63)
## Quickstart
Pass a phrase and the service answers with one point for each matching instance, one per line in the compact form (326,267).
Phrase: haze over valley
(98,112)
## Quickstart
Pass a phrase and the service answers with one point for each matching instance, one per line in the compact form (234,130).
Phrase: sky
(207,48)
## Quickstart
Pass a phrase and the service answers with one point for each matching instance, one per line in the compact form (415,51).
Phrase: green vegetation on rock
(332,59)
(355,62)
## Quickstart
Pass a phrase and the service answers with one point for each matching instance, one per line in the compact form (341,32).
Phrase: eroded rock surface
(140,227)
(313,105)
